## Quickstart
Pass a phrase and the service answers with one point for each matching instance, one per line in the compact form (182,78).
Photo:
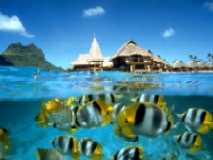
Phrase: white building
(91,60)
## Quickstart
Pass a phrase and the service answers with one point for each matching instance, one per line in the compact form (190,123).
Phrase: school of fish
(144,115)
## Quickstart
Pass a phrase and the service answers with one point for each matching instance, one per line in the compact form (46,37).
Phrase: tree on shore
(210,58)
(193,58)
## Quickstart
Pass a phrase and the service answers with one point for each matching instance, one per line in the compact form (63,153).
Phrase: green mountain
(19,55)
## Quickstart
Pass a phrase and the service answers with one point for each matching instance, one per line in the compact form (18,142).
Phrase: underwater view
(24,100)
(106,80)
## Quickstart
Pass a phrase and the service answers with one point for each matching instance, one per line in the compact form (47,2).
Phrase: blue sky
(63,29)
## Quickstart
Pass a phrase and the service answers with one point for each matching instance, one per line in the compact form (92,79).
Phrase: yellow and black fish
(42,120)
(91,149)
(124,131)
(48,154)
(142,119)
(190,141)
(71,146)
(129,153)
(58,113)
(106,98)
(5,144)
(67,145)
(61,113)
(70,101)
(63,119)
(158,100)
(52,105)
(47,108)
(198,119)
(153,98)
(94,114)
(86,99)
(117,108)
(55,105)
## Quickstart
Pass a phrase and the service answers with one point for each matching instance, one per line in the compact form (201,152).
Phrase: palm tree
(210,58)
(193,58)
(150,51)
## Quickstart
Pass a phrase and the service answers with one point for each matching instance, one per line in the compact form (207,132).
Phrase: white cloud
(96,11)
(13,24)
(168,33)
(209,5)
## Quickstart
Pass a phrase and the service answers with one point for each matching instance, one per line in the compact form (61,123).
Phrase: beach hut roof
(131,48)
(82,59)
(192,64)
(95,50)
(202,64)
(178,64)
(94,54)
(158,59)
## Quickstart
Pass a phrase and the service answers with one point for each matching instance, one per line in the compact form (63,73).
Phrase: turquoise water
(18,83)
(21,96)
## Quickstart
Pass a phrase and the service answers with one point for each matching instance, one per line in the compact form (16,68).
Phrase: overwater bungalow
(160,64)
(131,57)
(90,61)
(193,65)
(204,66)
(179,65)
(107,64)
(198,66)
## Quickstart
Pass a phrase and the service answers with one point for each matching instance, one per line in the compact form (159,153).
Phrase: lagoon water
(21,96)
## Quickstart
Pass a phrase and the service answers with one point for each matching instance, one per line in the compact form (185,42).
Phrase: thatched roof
(131,48)
(158,59)
(94,54)
(202,64)
(178,64)
(95,51)
(82,60)
(198,64)
(192,64)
